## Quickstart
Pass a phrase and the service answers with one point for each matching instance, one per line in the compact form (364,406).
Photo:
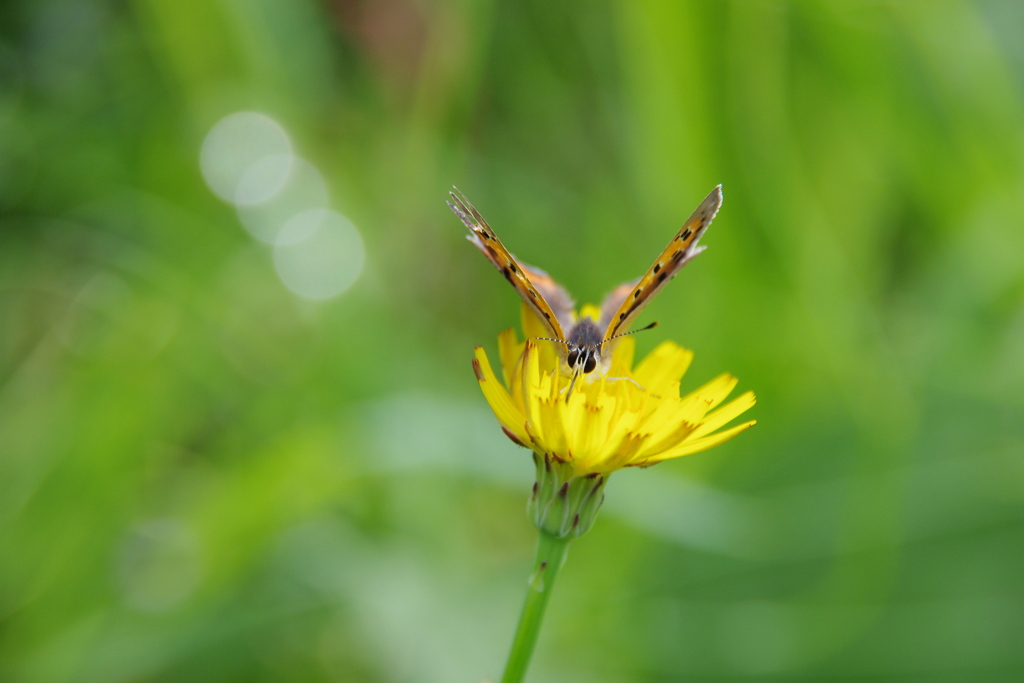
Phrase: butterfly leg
(572,384)
(629,379)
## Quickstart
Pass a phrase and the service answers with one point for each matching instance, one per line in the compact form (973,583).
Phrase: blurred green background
(240,438)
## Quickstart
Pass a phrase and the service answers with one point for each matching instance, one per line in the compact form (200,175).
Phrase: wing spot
(657,267)
(637,293)
(622,316)
(547,316)
(686,234)
(512,267)
(532,292)
(507,273)
(661,278)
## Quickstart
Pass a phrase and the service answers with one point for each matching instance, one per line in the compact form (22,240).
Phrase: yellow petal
(725,414)
(622,357)
(666,439)
(663,416)
(689,447)
(663,366)
(624,452)
(699,402)
(509,351)
(552,413)
(530,386)
(534,328)
(590,424)
(501,403)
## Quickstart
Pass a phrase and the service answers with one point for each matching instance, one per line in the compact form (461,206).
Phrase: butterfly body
(583,345)
(586,342)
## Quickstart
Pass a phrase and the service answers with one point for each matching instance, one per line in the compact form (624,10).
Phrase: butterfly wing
(549,301)
(627,300)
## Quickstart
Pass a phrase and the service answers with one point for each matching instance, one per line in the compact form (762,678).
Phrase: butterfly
(586,343)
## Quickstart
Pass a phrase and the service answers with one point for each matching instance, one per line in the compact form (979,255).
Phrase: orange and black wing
(627,300)
(547,298)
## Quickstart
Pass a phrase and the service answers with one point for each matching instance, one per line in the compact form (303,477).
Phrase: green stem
(551,552)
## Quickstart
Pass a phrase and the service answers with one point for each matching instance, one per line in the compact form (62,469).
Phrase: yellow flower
(628,417)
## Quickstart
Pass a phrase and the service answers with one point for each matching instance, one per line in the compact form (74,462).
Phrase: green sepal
(563,504)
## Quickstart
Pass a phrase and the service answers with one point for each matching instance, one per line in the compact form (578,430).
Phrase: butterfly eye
(589,364)
(574,355)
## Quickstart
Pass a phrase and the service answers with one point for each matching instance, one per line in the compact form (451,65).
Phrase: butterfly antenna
(560,341)
(626,334)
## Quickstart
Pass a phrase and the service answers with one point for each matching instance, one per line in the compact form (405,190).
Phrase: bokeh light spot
(263,180)
(319,254)
(246,158)
(304,189)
